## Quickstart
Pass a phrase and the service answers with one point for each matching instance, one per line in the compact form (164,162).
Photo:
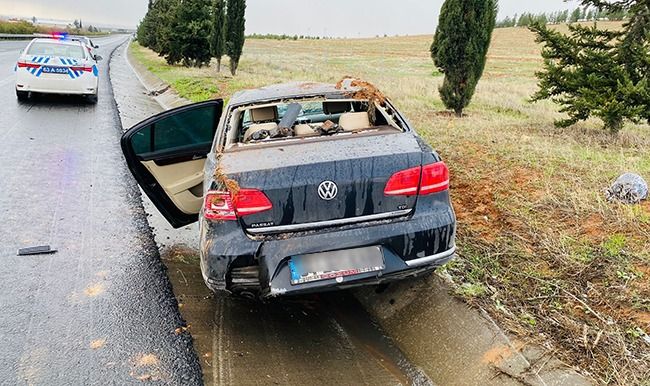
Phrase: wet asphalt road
(101,310)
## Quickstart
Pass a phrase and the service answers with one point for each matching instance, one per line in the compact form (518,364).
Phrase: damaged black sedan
(298,188)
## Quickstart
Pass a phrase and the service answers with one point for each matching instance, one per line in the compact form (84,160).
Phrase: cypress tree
(460,47)
(154,30)
(235,32)
(218,33)
(145,32)
(189,35)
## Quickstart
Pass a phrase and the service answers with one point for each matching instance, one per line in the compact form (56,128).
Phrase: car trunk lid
(324,182)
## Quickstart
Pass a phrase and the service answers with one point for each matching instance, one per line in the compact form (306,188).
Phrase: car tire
(22,95)
(92,99)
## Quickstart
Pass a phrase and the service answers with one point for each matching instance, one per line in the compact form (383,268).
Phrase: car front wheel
(22,95)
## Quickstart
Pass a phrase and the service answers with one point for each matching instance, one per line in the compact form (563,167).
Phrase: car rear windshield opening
(303,119)
(56,49)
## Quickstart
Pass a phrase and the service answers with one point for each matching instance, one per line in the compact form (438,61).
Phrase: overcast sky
(350,18)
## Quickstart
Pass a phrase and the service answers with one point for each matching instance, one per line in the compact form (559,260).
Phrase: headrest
(354,121)
(264,114)
(336,107)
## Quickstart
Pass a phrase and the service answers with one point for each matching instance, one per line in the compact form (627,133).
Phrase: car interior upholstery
(260,123)
(354,121)
(264,119)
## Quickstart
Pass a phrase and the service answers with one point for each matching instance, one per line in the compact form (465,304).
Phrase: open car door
(166,154)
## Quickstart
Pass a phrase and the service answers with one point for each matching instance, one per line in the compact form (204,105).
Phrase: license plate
(55,70)
(332,265)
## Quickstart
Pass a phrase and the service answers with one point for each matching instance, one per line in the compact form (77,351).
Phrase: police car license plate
(55,70)
(332,265)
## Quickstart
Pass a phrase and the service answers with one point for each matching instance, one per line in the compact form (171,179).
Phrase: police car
(57,65)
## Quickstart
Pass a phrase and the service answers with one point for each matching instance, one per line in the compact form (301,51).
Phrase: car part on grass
(39,250)
(629,188)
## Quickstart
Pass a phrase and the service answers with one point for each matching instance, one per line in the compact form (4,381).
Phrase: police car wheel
(92,98)
(22,95)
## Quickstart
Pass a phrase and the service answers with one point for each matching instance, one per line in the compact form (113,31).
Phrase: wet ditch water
(319,339)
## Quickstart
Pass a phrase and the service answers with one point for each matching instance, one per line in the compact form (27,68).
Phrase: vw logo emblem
(327,190)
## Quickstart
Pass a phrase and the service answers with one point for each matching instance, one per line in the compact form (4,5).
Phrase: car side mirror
(98,58)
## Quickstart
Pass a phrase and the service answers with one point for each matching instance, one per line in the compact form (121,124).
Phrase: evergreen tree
(460,47)
(155,29)
(163,16)
(575,15)
(235,32)
(525,20)
(144,33)
(600,73)
(218,33)
(189,37)
(565,16)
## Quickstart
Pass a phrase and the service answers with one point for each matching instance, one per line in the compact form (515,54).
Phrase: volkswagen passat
(298,188)
(57,65)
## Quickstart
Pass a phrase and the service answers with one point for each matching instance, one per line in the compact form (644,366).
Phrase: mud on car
(298,188)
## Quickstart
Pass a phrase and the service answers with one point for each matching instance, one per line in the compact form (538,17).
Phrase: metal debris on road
(39,250)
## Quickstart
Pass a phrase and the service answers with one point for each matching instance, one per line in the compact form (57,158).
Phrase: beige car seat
(263,118)
(305,130)
(354,121)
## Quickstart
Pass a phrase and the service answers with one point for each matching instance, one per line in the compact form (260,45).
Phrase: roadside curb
(157,89)
(455,344)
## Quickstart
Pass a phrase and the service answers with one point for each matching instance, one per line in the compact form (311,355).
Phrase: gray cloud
(349,18)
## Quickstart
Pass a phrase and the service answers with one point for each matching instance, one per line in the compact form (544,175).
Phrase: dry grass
(540,247)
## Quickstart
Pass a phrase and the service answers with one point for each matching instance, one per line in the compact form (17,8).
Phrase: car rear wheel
(22,95)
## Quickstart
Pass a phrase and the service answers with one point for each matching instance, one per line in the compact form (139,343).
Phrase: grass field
(541,249)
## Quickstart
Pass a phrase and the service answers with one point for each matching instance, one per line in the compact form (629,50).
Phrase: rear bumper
(412,245)
(86,84)
(396,269)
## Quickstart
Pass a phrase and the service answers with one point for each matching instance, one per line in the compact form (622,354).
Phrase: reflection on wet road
(325,339)
(100,310)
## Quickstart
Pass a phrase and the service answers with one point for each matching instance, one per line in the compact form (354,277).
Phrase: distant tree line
(282,37)
(19,27)
(561,17)
(25,27)
(192,32)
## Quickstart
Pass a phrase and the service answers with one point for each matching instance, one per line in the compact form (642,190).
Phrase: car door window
(192,128)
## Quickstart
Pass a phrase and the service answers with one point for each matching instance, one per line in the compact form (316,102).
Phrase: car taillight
(28,65)
(223,206)
(404,183)
(424,180)
(435,178)
(84,69)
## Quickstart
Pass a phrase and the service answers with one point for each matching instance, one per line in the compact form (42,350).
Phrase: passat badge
(328,190)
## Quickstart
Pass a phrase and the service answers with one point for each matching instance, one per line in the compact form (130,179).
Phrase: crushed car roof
(290,90)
